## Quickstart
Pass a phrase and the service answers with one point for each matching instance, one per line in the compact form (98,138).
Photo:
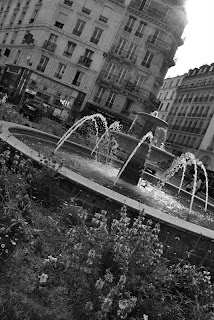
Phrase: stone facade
(190,118)
(142,51)
(113,54)
(71,39)
(167,95)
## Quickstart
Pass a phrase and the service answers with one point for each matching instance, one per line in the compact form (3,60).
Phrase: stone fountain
(154,150)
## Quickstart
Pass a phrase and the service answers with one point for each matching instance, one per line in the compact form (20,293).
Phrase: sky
(198,48)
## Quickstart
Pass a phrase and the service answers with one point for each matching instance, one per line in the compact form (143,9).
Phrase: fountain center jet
(130,143)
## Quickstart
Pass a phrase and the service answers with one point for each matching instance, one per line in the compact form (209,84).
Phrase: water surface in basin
(105,175)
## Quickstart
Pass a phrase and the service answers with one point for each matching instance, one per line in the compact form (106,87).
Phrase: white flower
(52,259)
(123,304)
(43,278)
(91,253)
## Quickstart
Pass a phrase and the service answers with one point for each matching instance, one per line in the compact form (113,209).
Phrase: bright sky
(198,48)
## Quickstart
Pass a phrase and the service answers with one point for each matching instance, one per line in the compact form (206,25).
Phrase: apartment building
(142,52)
(191,116)
(56,48)
(167,95)
(111,54)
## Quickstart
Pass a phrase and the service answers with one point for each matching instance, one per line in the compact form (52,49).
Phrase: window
(139,81)
(87,7)
(17,57)
(78,78)
(14,37)
(155,36)
(61,20)
(140,29)
(5,37)
(99,96)
(110,70)
(130,24)
(60,70)
(42,63)
(13,18)
(68,3)
(21,18)
(105,14)
(96,35)
(142,5)
(110,100)
(86,59)
(131,52)
(120,46)
(53,38)
(69,49)
(127,105)
(147,59)
(79,27)
(121,75)
(34,15)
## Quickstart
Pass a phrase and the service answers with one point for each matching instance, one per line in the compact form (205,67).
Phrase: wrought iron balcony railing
(123,54)
(50,46)
(85,61)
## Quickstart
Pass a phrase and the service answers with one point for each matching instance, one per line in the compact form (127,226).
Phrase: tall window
(61,20)
(21,18)
(78,78)
(53,38)
(17,57)
(120,46)
(130,24)
(14,37)
(110,70)
(141,29)
(155,36)
(34,15)
(131,52)
(110,100)
(13,17)
(147,59)
(60,70)
(87,7)
(69,50)
(139,80)
(105,14)
(142,5)
(96,35)
(5,37)
(42,63)
(121,75)
(79,27)
(99,95)
(128,104)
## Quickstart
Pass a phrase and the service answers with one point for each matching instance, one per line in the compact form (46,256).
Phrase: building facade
(70,43)
(142,52)
(191,116)
(167,95)
(113,55)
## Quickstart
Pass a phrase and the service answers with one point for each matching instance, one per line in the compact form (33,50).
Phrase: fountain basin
(133,169)
(182,239)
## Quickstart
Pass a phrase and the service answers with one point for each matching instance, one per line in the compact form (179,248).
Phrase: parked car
(33,109)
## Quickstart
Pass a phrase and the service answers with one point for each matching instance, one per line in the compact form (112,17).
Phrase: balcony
(125,85)
(49,46)
(150,10)
(40,68)
(85,61)
(122,54)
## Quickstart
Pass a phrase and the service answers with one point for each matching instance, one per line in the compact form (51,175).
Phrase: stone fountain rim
(144,143)
(156,214)
(144,115)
